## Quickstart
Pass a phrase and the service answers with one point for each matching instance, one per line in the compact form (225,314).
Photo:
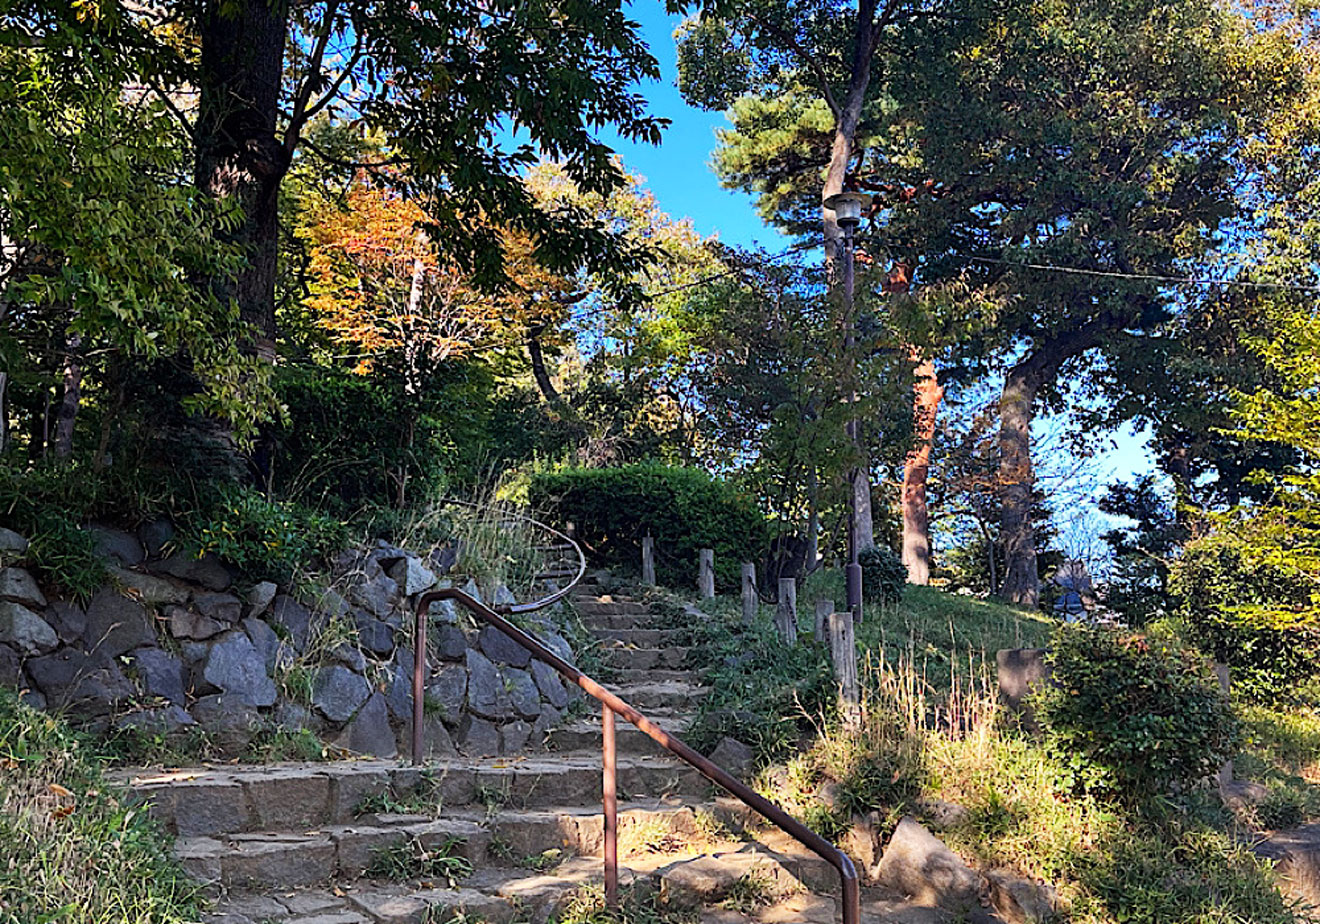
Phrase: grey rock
(375,636)
(34,699)
(472,590)
(260,597)
(503,596)
(917,864)
(514,737)
(545,723)
(370,732)
(446,692)
(478,738)
(524,695)
(150,589)
(1019,900)
(236,668)
(1296,857)
(154,535)
(378,596)
(69,620)
(185,624)
(12,545)
(443,611)
(501,649)
(486,694)
(17,586)
(116,545)
(164,720)
(338,693)
(70,677)
(194,653)
(942,815)
(450,643)
(328,601)
(557,644)
(294,618)
(264,640)
(350,656)
(862,841)
(549,683)
(207,571)
(25,630)
(436,741)
(11,668)
(442,559)
(160,673)
(411,577)
(734,756)
(1019,670)
(230,723)
(220,607)
(290,716)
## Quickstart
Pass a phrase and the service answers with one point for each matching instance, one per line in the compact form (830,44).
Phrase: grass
(636,906)
(73,850)
(411,859)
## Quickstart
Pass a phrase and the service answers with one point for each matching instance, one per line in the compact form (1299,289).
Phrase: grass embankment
(933,734)
(70,849)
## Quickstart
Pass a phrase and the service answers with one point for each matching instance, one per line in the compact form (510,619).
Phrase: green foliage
(884,576)
(1138,587)
(684,509)
(1244,612)
(411,859)
(74,850)
(1132,717)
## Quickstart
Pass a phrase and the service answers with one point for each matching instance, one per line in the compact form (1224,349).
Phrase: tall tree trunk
(66,416)
(4,413)
(813,518)
(865,516)
(926,396)
(1016,480)
(541,373)
(239,155)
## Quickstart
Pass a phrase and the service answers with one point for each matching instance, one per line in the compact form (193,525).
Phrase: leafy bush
(884,576)
(684,509)
(1249,614)
(1131,717)
(73,850)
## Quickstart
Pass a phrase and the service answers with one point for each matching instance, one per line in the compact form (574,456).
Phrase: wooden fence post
(648,561)
(843,652)
(822,626)
(706,574)
(786,611)
(1222,674)
(750,603)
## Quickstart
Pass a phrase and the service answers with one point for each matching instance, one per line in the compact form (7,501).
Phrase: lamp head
(848,208)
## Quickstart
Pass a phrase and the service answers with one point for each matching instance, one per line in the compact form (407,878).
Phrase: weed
(587,906)
(276,744)
(411,859)
(753,891)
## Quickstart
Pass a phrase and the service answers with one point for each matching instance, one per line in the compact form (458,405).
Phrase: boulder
(549,683)
(503,596)
(447,691)
(436,741)
(293,618)
(514,737)
(370,732)
(501,649)
(862,841)
(735,757)
(350,656)
(151,590)
(1019,900)
(478,738)
(290,717)
(221,607)
(237,669)
(70,677)
(327,600)
(69,620)
(17,586)
(154,535)
(449,643)
(398,692)
(942,815)
(1296,857)
(24,630)
(185,624)
(486,694)
(264,640)
(523,694)
(338,693)
(443,611)
(208,571)
(557,644)
(378,596)
(116,545)
(260,597)
(411,577)
(11,668)
(160,673)
(12,545)
(545,723)
(442,559)
(917,864)
(229,723)
(374,635)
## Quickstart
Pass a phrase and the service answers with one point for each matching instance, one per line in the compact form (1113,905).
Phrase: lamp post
(848,207)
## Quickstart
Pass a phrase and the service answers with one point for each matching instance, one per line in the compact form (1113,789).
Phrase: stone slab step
(671,694)
(642,638)
(585,735)
(604,621)
(601,606)
(632,657)
(655,675)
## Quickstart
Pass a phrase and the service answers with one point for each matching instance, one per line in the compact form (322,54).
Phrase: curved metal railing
(611,705)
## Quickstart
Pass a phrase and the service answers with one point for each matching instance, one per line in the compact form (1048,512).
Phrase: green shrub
(1231,603)
(884,576)
(684,509)
(1130,717)
(73,849)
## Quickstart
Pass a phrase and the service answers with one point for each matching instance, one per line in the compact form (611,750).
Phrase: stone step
(605,621)
(586,735)
(600,606)
(624,657)
(671,695)
(642,638)
(654,675)
(232,800)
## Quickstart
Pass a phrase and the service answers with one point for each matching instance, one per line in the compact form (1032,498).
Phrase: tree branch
(298,114)
(808,60)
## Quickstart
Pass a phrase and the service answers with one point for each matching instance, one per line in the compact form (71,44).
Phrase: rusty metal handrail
(611,705)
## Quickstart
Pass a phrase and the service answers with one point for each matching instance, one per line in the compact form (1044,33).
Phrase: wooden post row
(648,561)
(750,603)
(822,625)
(843,652)
(706,574)
(786,611)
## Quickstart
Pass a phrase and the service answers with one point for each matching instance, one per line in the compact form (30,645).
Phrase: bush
(884,576)
(1230,602)
(684,509)
(73,850)
(1131,717)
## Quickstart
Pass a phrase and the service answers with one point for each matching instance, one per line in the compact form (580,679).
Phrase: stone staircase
(304,843)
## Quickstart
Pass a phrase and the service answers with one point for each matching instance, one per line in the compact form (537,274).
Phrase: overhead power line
(1153,277)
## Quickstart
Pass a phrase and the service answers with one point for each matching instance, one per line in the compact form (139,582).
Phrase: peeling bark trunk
(865,517)
(66,416)
(239,155)
(1016,479)
(927,394)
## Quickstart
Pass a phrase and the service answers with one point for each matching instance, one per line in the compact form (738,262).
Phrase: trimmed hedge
(685,509)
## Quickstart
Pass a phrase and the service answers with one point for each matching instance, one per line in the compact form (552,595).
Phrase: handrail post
(610,793)
(419,682)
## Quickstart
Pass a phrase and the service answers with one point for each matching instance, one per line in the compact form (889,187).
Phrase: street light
(848,208)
